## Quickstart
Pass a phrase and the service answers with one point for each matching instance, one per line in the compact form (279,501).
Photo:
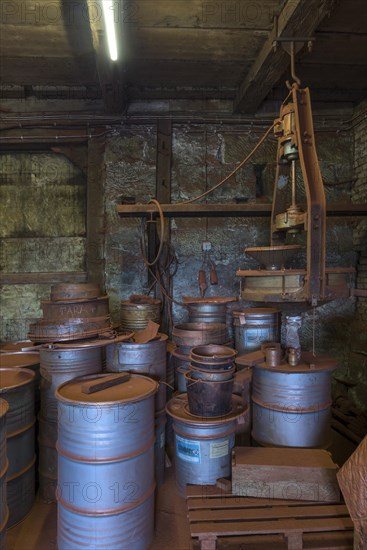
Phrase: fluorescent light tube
(109,19)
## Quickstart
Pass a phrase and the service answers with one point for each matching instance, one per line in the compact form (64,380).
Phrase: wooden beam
(109,72)
(227,210)
(297,18)
(42,278)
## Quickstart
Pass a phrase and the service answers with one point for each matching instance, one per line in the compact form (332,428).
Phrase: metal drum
(291,405)
(160,446)
(57,367)
(189,335)
(4,512)
(29,360)
(106,465)
(149,359)
(74,291)
(17,388)
(253,327)
(182,364)
(202,445)
(135,316)
(211,310)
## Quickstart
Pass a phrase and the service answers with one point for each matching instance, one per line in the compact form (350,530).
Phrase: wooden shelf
(42,278)
(245,210)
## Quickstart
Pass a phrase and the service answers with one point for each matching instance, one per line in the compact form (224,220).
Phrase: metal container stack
(189,335)
(74,312)
(4,511)
(210,380)
(211,310)
(138,310)
(149,359)
(17,389)
(106,463)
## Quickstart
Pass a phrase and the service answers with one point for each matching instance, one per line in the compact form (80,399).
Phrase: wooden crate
(220,520)
(302,474)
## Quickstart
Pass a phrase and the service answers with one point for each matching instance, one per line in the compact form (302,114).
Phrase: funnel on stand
(273,257)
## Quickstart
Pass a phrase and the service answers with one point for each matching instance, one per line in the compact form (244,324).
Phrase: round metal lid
(178,408)
(135,389)
(19,359)
(209,300)
(4,407)
(11,378)
(11,347)
(256,311)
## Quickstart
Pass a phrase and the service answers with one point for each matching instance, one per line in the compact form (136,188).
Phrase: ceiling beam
(110,74)
(297,18)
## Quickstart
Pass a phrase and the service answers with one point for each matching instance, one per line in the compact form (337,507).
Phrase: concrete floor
(38,530)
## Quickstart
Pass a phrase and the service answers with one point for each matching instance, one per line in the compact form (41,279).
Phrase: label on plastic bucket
(219,449)
(188,450)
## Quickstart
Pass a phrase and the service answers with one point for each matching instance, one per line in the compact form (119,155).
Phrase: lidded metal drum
(253,327)
(211,310)
(4,511)
(149,359)
(17,388)
(203,446)
(28,360)
(291,405)
(189,335)
(106,464)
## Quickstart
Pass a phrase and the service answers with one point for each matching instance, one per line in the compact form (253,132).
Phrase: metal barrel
(57,367)
(253,327)
(202,445)
(136,316)
(29,360)
(207,312)
(4,511)
(106,465)
(291,406)
(160,446)
(189,335)
(76,309)
(149,359)
(17,388)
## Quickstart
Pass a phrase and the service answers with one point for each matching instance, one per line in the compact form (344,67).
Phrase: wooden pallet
(220,520)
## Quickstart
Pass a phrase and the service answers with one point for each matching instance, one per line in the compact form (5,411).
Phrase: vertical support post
(163,194)
(95,212)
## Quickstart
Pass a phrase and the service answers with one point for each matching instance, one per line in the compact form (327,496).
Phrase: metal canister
(106,465)
(202,445)
(4,511)
(291,405)
(17,388)
(253,327)
(135,316)
(149,359)
(189,335)
(58,365)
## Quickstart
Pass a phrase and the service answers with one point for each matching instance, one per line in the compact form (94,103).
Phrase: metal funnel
(273,257)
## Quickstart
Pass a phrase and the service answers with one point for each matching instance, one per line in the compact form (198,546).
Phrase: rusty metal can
(135,316)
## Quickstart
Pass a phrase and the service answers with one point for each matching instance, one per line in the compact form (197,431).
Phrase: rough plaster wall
(201,156)
(42,209)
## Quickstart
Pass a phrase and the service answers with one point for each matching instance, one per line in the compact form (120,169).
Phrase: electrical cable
(161,238)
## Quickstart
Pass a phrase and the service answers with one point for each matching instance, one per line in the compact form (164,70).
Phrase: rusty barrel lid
(137,388)
(74,291)
(19,359)
(11,378)
(178,409)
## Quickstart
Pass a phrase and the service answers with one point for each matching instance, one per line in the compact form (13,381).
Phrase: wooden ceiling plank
(109,73)
(297,18)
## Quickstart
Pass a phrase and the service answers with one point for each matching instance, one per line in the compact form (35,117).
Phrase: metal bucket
(253,327)
(4,511)
(107,436)
(57,367)
(160,446)
(136,316)
(291,406)
(17,388)
(149,359)
(202,445)
(209,398)
(214,375)
(190,335)
(212,356)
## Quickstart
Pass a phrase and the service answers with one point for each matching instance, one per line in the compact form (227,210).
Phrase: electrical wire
(161,239)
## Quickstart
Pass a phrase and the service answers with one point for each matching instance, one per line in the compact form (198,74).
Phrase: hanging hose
(161,237)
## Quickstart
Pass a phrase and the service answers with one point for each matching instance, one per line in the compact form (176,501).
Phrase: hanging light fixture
(109,20)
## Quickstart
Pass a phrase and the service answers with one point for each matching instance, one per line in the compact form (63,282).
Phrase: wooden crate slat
(268,513)
(232,501)
(271,527)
